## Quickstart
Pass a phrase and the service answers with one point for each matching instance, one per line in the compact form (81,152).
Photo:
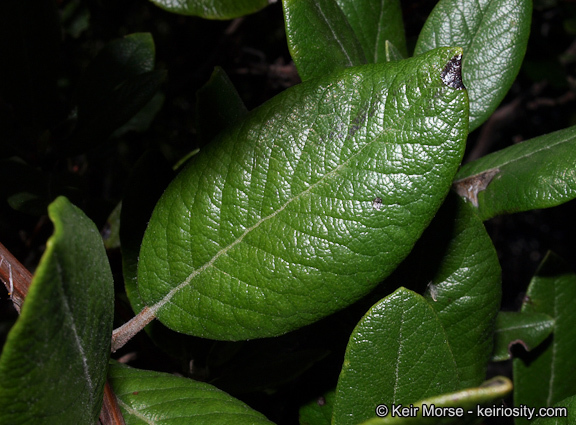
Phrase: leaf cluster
(321,257)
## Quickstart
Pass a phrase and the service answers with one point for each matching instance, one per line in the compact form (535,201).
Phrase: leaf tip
(452,73)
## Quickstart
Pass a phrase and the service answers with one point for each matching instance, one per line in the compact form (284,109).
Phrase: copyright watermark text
(431,410)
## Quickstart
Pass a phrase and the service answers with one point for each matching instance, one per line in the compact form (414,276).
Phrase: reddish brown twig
(15,277)
(110,413)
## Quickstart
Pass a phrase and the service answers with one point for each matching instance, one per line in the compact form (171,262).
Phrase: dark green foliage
(308,252)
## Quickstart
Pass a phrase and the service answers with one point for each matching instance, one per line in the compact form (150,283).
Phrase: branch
(125,332)
(110,413)
(15,276)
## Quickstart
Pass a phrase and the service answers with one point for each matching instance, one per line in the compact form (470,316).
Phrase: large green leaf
(493,34)
(53,365)
(398,354)
(320,37)
(458,408)
(148,397)
(374,23)
(537,173)
(213,9)
(308,203)
(545,375)
(528,329)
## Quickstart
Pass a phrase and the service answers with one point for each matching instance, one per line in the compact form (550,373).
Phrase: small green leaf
(118,61)
(398,354)
(143,119)
(148,397)
(118,83)
(53,365)
(546,375)
(111,231)
(320,38)
(218,104)
(528,329)
(319,410)
(468,400)
(256,236)
(123,102)
(375,24)
(493,34)
(537,173)
(213,9)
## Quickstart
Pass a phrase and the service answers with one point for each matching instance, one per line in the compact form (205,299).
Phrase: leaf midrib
(76,340)
(166,299)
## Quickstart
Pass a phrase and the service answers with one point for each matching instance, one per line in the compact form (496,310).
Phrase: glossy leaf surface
(308,203)
(53,365)
(398,354)
(537,173)
(487,394)
(320,38)
(493,34)
(527,329)
(375,23)
(545,376)
(213,9)
(149,397)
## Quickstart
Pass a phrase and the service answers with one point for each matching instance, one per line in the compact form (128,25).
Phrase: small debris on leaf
(471,186)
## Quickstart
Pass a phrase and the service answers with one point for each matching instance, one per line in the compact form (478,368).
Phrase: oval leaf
(256,237)
(53,365)
(398,354)
(374,24)
(528,329)
(148,397)
(213,9)
(493,34)
(537,173)
(320,38)
(545,376)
